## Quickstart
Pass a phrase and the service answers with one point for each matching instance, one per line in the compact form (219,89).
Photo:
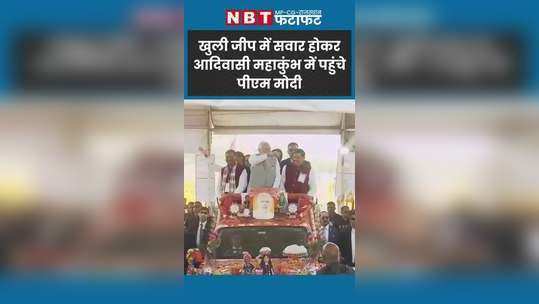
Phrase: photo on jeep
(269,187)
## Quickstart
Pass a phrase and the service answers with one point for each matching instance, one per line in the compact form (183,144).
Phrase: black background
(223,83)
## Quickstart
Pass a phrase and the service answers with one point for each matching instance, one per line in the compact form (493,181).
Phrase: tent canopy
(283,116)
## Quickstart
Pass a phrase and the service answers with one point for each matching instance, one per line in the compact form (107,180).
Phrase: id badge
(302,177)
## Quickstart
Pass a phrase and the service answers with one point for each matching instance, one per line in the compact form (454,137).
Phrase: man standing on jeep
(265,170)
(298,176)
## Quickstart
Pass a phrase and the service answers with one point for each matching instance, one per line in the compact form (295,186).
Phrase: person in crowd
(240,161)
(345,213)
(331,257)
(338,221)
(196,208)
(265,170)
(203,229)
(265,262)
(189,223)
(292,147)
(188,211)
(233,177)
(189,207)
(349,241)
(328,232)
(298,176)
(248,267)
(190,217)
(279,154)
(334,217)
(190,230)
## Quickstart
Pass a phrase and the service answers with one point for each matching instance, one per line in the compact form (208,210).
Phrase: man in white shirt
(265,169)
(233,177)
(298,176)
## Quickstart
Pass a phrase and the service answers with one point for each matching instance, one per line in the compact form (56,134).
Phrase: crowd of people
(339,230)
(267,169)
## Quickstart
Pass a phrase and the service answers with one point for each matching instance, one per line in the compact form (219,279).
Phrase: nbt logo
(248,17)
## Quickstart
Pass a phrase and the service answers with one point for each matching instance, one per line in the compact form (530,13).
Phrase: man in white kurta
(265,169)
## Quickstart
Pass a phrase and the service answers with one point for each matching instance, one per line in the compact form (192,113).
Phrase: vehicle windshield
(234,241)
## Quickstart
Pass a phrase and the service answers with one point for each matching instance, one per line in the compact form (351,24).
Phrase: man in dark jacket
(334,217)
(292,147)
(198,237)
(298,176)
(204,227)
(191,217)
(328,231)
(190,225)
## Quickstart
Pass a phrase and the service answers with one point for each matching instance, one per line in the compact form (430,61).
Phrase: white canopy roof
(283,115)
